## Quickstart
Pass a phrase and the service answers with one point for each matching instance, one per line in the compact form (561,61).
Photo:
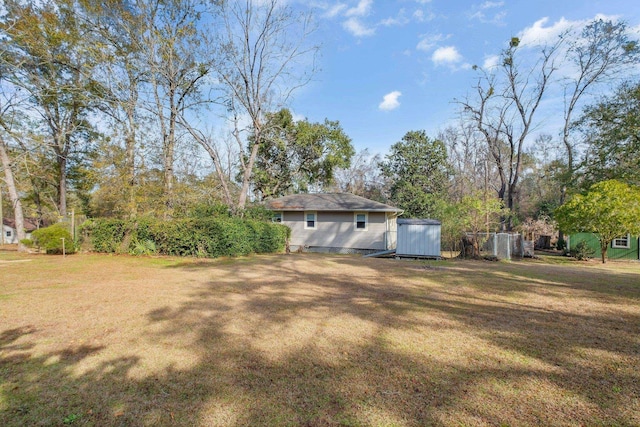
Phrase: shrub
(105,234)
(50,239)
(27,242)
(209,210)
(258,213)
(143,247)
(561,244)
(582,251)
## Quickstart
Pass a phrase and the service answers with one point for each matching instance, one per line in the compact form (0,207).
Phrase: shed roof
(414,221)
(328,202)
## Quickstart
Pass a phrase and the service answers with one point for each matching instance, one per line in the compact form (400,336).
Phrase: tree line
(106,109)
(104,106)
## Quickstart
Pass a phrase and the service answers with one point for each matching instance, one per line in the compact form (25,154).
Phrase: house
(9,233)
(624,247)
(336,222)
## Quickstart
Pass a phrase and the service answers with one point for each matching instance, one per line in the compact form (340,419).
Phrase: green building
(625,247)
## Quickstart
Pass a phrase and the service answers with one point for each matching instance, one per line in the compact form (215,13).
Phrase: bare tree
(467,155)
(265,58)
(598,55)
(207,142)
(504,110)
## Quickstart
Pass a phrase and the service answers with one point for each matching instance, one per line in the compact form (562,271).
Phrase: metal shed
(418,238)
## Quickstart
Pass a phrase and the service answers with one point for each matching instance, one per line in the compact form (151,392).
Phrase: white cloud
(400,19)
(479,12)
(357,28)
(491,4)
(447,55)
(335,10)
(423,1)
(362,9)
(297,117)
(490,62)
(428,42)
(390,101)
(540,34)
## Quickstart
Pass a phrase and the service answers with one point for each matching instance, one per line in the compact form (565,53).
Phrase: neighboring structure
(504,245)
(336,222)
(418,238)
(624,247)
(9,232)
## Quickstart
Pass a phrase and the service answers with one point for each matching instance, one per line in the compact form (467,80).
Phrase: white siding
(337,230)
(14,236)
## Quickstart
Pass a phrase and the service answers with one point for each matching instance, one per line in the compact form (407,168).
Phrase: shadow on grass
(372,345)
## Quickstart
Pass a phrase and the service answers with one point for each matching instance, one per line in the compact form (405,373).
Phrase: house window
(360,221)
(277,217)
(310,220)
(621,242)
(8,233)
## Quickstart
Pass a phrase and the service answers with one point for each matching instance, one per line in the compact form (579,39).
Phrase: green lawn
(317,340)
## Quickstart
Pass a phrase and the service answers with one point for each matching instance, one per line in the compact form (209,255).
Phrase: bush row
(211,237)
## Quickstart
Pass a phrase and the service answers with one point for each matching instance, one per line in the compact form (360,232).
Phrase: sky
(386,67)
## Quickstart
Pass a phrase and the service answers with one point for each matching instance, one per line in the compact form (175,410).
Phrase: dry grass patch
(317,340)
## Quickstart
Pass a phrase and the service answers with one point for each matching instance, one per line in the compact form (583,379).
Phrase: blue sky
(390,66)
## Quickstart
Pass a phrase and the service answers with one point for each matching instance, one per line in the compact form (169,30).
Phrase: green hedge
(210,237)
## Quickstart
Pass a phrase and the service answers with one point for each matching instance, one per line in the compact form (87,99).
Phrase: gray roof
(328,202)
(417,221)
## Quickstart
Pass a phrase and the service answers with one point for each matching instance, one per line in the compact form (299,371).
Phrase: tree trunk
(130,142)
(169,149)
(131,175)
(603,249)
(246,177)
(62,186)
(13,194)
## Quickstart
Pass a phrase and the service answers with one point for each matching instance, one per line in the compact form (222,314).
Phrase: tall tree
(609,209)
(297,155)
(9,179)
(418,173)
(265,60)
(600,54)
(117,30)
(178,61)
(611,129)
(44,43)
(7,104)
(504,111)
(467,156)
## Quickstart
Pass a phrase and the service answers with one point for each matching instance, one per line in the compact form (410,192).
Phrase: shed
(418,238)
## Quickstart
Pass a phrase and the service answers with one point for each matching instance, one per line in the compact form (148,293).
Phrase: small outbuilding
(10,233)
(419,238)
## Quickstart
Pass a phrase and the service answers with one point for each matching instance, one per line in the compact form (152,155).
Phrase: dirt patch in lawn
(317,340)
